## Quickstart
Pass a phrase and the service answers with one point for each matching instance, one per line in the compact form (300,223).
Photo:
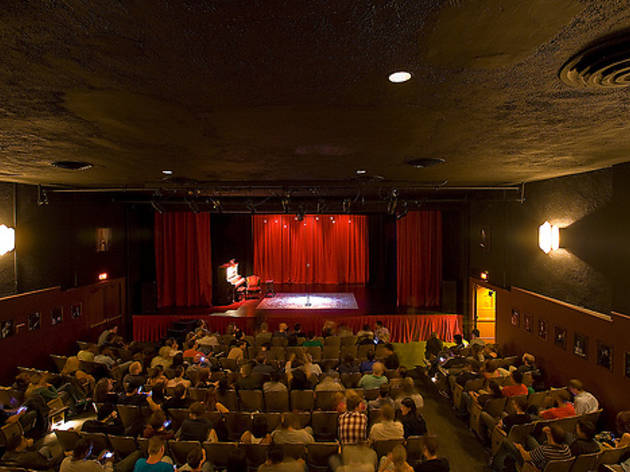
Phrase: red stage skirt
(404,328)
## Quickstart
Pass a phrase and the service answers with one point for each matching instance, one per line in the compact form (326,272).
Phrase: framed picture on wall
(528,321)
(560,337)
(75,311)
(516,318)
(6,329)
(604,355)
(580,345)
(34,321)
(484,238)
(542,329)
(627,366)
(56,315)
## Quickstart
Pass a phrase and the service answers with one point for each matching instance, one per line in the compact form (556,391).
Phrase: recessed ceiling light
(400,76)
(361,171)
(72,165)
(422,163)
(167,172)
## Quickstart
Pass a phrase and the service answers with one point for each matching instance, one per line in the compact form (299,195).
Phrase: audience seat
(351,380)
(586,462)
(553,466)
(383,448)
(276,401)
(143,446)
(349,340)
(302,400)
(325,400)
(177,415)
(251,400)
(330,351)
(612,456)
(256,455)
(317,455)
(180,449)
(348,351)
(363,350)
(324,425)
(414,449)
(59,361)
(294,451)
(273,420)
(229,400)
(315,352)
(332,341)
(67,439)
(123,445)
(237,423)
(99,442)
(219,452)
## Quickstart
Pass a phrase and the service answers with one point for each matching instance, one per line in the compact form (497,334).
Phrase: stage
(352,306)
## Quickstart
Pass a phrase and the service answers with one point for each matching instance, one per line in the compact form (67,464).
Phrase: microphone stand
(308,293)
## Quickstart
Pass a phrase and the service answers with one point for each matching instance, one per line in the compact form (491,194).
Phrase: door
(485,304)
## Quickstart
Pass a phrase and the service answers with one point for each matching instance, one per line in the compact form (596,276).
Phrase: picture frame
(76,310)
(34,321)
(528,322)
(485,238)
(56,315)
(560,337)
(516,318)
(542,329)
(6,329)
(580,345)
(605,355)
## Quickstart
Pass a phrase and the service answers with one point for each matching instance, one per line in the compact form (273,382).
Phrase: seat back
(129,415)
(370,393)
(364,349)
(383,448)
(351,380)
(332,341)
(59,361)
(123,445)
(99,441)
(237,423)
(315,352)
(273,420)
(612,456)
(251,400)
(317,455)
(414,449)
(559,466)
(330,351)
(348,340)
(302,400)
(495,406)
(349,351)
(67,439)
(198,394)
(219,452)
(228,400)
(276,401)
(180,449)
(325,400)
(586,462)
(178,415)
(256,455)
(294,451)
(324,425)
(277,353)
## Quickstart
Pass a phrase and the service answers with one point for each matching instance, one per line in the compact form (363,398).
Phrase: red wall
(610,387)
(103,305)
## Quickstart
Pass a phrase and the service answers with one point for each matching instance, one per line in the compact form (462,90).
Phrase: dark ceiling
(297,90)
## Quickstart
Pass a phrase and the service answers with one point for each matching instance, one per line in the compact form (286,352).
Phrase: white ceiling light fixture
(361,171)
(399,76)
(548,237)
(7,239)
(167,172)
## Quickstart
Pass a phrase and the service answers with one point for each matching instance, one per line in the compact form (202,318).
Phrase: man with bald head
(375,379)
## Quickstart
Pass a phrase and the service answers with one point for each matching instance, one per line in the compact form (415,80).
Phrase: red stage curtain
(325,249)
(182,259)
(419,256)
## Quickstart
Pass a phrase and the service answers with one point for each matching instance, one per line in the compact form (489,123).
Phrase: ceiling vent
(605,65)
(424,162)
(72,165)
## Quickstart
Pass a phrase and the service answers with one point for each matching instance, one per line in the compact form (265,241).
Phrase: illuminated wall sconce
(103,276)
(484,275)
(548,237)
(7,239)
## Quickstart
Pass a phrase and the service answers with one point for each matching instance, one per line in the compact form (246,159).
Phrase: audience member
(366,365)
(431,462)
(381,333)
(391,358)
(157,461)
(289,431)
(584,402)
(352,424)
(196,461)
(554,448)
(375,379)
(562,408)
(383,398)
(413,423)
(584,442)
(395,461)
(519,388)
(387,428)
(259,432)
(195,427)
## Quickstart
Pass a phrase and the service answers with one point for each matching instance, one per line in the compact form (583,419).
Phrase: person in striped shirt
(352,426)
(554,449)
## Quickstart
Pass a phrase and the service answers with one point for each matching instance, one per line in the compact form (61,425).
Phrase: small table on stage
(269,291)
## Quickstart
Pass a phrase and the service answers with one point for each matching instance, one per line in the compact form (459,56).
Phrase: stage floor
(309,301)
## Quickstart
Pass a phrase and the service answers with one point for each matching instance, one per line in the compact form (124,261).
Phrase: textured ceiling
(297,90)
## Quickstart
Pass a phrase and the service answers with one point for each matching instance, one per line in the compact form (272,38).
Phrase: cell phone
(140,389)
(375,340)
(22,409)
(202,359)
(167,423)
(108,455)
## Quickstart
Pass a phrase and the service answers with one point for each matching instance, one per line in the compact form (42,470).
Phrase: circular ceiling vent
(424,162)
(605,65)
(72,165)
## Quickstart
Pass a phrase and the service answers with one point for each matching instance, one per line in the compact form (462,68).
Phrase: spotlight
(42,197)
(399,77)
(300,213)
(192,204)
(393,202)
(402,213)
(250,206)
(216,205)
(321,205)
(346,204)
(285,204)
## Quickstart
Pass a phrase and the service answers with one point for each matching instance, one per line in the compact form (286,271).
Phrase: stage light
(7,239)
(103,276)
(285,204)
(157,206)
(193,206)
(167,172)
(265,221)
(399,77)
(300,213)
(484,275)
(548,237)
(317,218)
(346,204)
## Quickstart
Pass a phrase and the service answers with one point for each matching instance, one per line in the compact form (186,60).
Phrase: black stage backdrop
(232,239)
(382,251)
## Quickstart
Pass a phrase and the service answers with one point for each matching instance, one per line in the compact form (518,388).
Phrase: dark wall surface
(589,269)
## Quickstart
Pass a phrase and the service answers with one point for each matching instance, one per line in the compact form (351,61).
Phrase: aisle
(464,452)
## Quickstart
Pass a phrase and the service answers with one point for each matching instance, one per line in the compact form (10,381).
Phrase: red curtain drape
(182,259)
(323,249)
(419,258)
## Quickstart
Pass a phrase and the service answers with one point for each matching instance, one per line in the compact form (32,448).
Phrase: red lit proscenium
(103,276)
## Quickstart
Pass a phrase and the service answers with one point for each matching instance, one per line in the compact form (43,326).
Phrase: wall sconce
(548,237)
(103,276)
(7,239)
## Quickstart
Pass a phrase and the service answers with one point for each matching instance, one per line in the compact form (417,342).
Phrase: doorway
(485,315)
